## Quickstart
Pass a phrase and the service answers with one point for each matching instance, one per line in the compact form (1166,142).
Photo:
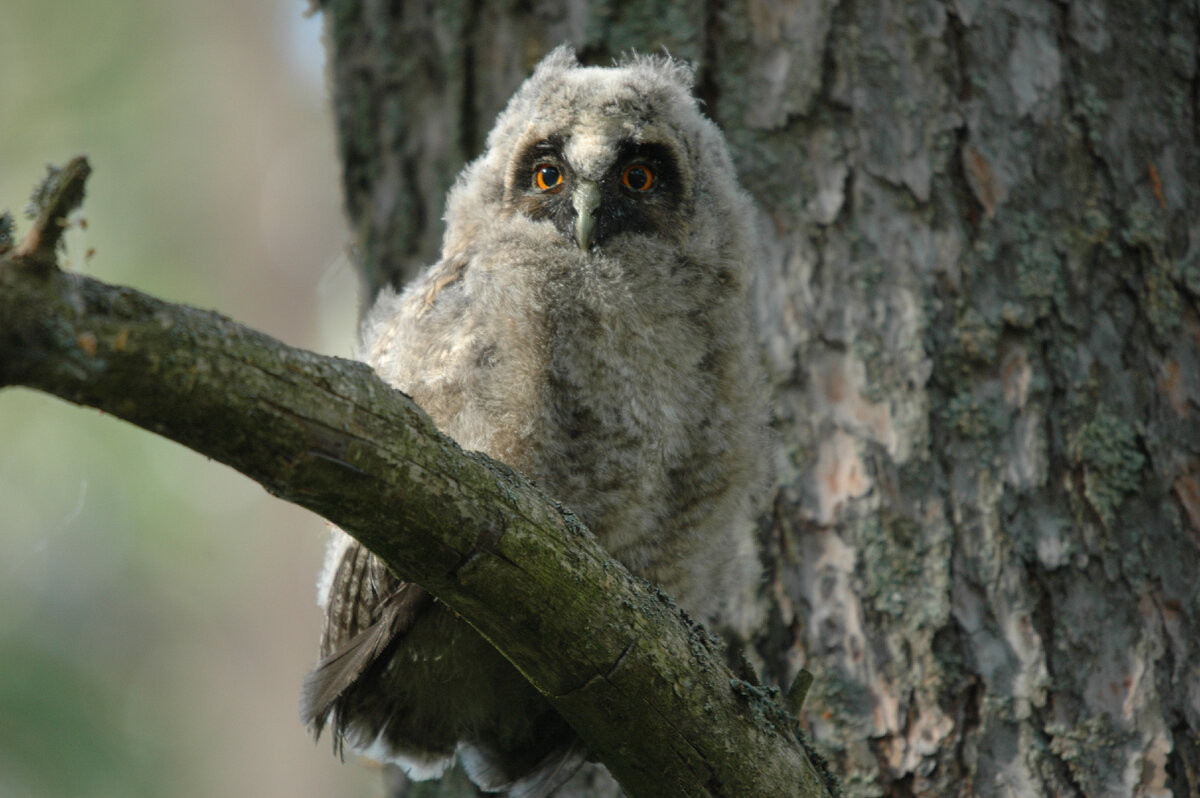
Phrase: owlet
(587,324)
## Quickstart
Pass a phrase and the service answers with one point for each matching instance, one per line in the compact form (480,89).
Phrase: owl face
(627,187)
(599,154)
(614,168)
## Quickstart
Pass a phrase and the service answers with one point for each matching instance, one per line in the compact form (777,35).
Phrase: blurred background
(156,609)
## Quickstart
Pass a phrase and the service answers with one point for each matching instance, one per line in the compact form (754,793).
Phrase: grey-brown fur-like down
(616,368)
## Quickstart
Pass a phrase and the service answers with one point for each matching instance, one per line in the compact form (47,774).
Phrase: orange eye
(547,177)
(638,177)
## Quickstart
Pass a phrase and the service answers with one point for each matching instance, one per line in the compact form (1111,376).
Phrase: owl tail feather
(335,674)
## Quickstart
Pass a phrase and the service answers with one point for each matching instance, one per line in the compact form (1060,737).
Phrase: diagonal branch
(611,652)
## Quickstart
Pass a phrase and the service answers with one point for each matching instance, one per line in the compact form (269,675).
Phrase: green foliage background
(156,609)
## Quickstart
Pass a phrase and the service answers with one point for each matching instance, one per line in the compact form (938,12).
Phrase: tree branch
(612,653)
(60,193)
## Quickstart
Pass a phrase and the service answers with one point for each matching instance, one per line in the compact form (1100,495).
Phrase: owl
(588,324)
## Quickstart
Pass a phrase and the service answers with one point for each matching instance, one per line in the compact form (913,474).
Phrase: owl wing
(368,609)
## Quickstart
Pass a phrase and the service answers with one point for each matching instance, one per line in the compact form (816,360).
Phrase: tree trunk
(979,304)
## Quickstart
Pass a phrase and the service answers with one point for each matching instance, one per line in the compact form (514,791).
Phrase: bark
(612,653)
(989,369)
(978,299)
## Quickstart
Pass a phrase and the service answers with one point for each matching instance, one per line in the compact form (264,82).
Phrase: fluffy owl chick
(588,324)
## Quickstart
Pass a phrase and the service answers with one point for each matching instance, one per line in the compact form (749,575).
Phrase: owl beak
(586,200)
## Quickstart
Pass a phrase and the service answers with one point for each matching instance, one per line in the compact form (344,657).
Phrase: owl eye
(638,177)
(547,177)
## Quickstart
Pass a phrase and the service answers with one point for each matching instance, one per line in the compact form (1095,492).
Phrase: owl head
(601,161)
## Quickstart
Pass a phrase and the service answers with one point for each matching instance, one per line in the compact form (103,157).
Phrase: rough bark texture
(979,301)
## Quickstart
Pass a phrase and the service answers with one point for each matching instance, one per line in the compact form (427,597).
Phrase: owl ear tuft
(559,59)
(665,66)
